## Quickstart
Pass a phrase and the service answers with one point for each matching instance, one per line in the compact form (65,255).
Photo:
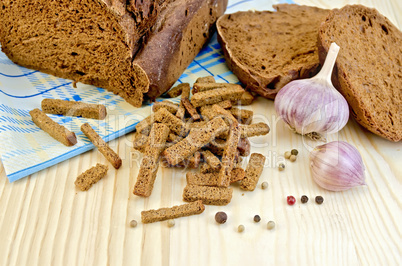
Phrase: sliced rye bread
(368,69)
(95,42)
(266,50)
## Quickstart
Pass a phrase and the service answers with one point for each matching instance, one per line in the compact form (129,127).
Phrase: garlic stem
(326,70)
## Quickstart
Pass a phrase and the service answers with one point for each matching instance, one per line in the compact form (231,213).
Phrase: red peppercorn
(291,200)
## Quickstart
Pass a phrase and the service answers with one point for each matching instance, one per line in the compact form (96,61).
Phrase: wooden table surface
(45,220)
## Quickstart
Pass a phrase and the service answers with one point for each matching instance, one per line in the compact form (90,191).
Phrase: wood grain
(45,220)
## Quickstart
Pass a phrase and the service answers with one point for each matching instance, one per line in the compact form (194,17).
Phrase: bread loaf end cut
(368,69)
(180,32)
(87,41)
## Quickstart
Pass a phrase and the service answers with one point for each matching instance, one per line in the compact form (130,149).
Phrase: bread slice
(95,42)
(266,50)
(368,70)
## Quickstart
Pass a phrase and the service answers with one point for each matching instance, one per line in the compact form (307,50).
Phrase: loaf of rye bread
(266,50)
(131,48)
(368,69)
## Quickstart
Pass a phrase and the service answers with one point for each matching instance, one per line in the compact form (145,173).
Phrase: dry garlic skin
(337,166)
(308,107)
(313,107)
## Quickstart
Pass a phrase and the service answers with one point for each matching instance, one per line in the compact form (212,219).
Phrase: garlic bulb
(337,166)
(314,107)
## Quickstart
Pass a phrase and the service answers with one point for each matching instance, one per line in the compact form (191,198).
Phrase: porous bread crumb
(207,86)
(284,45)
(140,142)
(181,112)
(190,109)
(74,108)
(176,125)
(177,90)
(150,161)
(168,105)
(55,130)
(207,79)
(211,179)
(253,130)
(244,147)
(246,99)
(102,146)
(211,159)
(144,126)
(85,180)
(253,171)
(228,156)
(368,70)
(194,141)
(174,212)
(217,95)
(242,115)
(208,195)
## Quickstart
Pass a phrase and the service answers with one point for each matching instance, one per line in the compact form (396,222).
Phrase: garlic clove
(337,166)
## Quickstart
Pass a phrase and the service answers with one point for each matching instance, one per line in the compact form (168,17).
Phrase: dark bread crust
(368,70)
(180,32)
(145,12)
(266,50)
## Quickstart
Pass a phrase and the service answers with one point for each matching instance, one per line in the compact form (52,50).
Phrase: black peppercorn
(257,218)
(294,152)
(304,199)
(319,200)
(221,217)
